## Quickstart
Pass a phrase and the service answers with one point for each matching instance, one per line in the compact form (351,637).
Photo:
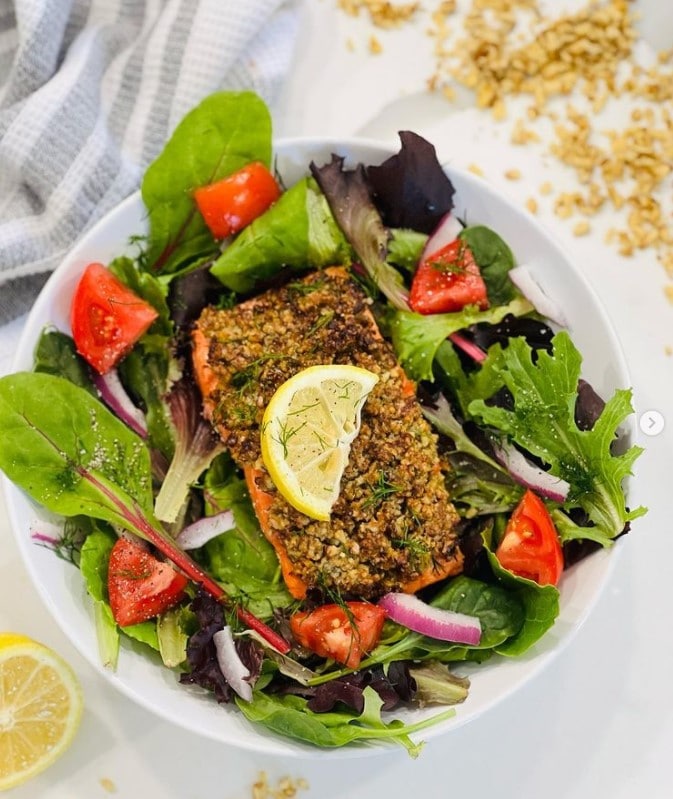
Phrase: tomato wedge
(139,585)
(106,317)
(530,546)
(230,204)
(448,281)
(341,632)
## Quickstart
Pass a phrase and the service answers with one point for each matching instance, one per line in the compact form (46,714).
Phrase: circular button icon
(652,423)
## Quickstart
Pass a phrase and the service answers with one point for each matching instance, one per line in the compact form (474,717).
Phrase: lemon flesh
(40,708)
(307,431)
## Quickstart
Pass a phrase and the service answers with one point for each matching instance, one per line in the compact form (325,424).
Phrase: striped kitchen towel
(89,92)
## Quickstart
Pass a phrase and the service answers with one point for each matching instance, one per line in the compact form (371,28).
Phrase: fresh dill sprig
(381,490)
(245,378)
(322,321)
(286,433)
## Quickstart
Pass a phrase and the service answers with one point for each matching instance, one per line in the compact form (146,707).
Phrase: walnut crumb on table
(285,788)
(506,50)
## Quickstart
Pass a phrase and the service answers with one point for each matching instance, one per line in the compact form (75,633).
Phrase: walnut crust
(393,521)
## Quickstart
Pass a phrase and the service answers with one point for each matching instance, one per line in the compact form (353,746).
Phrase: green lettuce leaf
(543,423)
(417,338)
(297,233)
(224,133)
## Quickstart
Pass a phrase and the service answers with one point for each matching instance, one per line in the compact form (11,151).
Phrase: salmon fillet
(393,527)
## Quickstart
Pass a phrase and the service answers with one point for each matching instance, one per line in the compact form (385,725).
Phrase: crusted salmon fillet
(393,527)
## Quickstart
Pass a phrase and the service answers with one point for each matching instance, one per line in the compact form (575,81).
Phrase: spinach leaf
(542,421)
(494,259)
(297,233)
(289,716)
(56,354)
(224,133)
(69,452)
(540,604)
(498,610)
(416,337)
(242,559)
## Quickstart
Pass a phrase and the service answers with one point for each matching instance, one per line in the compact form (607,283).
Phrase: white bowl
(142,678)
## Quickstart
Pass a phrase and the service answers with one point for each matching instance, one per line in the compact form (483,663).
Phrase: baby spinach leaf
(224,133)
(499,611)
(289,716)
(69,452)
(540,604)
(543,423)
(495,259)
(56,354)
(242,559)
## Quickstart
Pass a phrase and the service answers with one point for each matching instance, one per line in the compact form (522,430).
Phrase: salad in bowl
(332,441)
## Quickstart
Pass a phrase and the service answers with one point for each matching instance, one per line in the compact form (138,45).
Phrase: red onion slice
(530,475)
(234,670)
(523,279)
(446,231)
(444,625)
(199,533)
(114,395)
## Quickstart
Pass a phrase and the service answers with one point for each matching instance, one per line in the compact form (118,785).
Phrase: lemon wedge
(307,431)
(40,708)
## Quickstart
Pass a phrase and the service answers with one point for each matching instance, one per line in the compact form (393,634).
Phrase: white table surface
(599,720)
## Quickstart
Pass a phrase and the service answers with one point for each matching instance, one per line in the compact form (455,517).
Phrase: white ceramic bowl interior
(142,678)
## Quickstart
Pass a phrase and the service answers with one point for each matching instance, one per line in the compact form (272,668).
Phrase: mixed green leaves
(417,338)
(290,717)
(542,422)
(224,133)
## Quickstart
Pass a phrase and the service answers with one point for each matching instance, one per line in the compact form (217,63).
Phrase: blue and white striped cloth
(89,92)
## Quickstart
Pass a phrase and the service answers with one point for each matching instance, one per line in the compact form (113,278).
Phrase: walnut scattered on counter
(505,48)
(285,788)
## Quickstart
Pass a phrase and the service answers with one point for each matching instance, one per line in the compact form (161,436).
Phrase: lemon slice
(307,431)
(40,708)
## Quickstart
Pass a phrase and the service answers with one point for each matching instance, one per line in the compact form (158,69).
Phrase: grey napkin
(89,92)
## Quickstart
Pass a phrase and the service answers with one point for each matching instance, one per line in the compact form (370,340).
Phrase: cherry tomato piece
(448,281)
(230,204)
(106,317)
(139,585)
(530,546)
(341,633)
